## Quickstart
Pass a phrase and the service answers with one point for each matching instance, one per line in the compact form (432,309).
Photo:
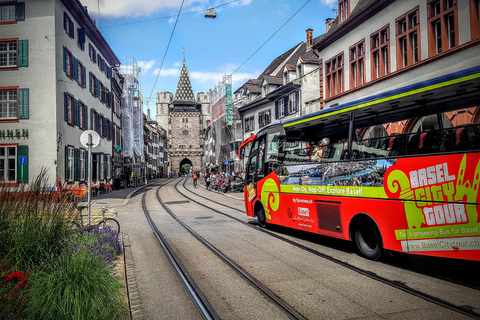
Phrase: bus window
(273,155)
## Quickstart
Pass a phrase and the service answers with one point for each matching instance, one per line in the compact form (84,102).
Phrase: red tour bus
(394,171)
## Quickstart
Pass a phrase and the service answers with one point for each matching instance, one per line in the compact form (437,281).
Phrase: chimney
(328,23)
(309,38)
(148,113)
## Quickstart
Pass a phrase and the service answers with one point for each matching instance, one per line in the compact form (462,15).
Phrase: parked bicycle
(103,222)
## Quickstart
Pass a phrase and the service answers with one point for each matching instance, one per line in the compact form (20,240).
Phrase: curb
(134,303)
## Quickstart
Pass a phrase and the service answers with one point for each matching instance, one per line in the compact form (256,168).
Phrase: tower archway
(186,161)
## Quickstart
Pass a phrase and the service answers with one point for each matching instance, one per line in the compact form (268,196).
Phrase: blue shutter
(65,94)
(97,86)
(81,35)
(84,76)
(65,59)
(76,113)
(90,79)
(276,109)
(72,29)
(23,101)
(91,119)
(74,68)
(20,11)
(65,21)
(85,116)
(22,60)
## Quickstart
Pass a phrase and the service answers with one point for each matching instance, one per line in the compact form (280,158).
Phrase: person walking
(207,181)
(195,179)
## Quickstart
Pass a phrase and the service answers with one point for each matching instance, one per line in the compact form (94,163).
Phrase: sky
(243,39)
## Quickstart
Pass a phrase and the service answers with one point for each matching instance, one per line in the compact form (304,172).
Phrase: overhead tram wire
(270,38)
(166,51)
(146,20)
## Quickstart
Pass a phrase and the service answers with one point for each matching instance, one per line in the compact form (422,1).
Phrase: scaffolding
(132,121)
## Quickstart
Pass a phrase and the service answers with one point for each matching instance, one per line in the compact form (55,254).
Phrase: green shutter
(23,102)
(76,161)
(22,60)
(22,171)
(67,177)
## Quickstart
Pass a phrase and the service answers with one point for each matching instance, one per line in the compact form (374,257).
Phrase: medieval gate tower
(186,119)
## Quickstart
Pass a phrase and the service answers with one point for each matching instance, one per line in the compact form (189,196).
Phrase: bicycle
(103,223)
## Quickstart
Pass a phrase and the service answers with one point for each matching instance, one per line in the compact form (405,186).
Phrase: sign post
(90,139)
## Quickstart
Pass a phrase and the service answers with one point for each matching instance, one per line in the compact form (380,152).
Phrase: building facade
(186,119)
(59,79)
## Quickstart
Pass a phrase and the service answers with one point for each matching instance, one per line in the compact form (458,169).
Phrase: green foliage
(185,169)
(75,286)
(41,222)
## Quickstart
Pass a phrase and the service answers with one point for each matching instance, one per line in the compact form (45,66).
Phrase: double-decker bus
(398,170)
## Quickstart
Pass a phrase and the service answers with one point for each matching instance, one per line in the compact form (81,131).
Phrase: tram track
(197,295)
(464,310)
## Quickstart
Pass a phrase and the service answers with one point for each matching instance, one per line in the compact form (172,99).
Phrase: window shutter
(22,172)
(297,95)
(84,76)
(76,161)
(20,11)
(99,124)
(23,102)
(85,117)
(76,113)
(65,21)
(74,68)
(65,94)
(97,87)
(81,35)
(72,29)
(86,164)
(90,79)
(67,176)
(276,109)
(91,119)
(22,53)
(285,106)
(65,59)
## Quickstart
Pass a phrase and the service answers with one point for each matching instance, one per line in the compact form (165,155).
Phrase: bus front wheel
(262,221)
(368,241)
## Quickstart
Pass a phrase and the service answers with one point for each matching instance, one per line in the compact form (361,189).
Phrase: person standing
(207,181)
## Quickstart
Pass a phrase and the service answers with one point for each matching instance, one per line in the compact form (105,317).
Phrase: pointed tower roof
(184,93)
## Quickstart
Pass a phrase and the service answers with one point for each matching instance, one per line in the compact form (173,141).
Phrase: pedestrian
(195,177)
(207,181)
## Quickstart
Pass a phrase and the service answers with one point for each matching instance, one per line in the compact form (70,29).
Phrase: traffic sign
(227,162)
(22,160)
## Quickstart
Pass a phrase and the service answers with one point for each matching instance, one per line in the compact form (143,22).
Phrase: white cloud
(129,8)
(177,64)
(172,72)
(330,3)
(146,65)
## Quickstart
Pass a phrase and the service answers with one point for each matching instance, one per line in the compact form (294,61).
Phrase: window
(380,51)
(69,163)
(8,104)
(343,9)
(81,38)
(68,62)
(92,53)
(8,157)
(8,54)
(102,167)
(357,64)
(263,118)
(442,26)
(407,31)
(249,124)
(68,25)
(293,103)
(12,12)
(82,164)
(475,18)
(334,74)
(281,108)
(69,108)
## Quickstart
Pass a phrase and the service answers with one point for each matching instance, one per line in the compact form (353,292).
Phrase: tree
(185,169)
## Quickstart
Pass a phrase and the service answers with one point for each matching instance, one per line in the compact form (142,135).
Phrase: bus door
(255,172)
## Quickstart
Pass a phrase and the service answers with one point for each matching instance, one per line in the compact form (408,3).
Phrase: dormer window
(299,71)
(285,77)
